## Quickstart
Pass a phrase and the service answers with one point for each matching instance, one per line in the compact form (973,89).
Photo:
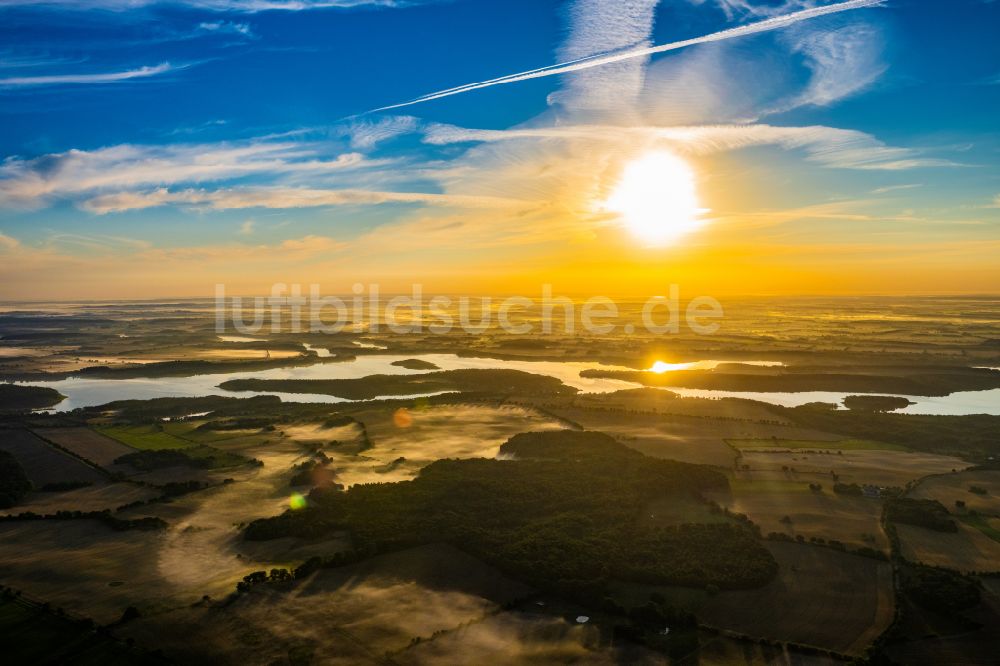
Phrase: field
(95,571)
(348,615)
(810,444)
(941,640)
(694,436)
(881,468)
(402,441)
(430,433)
(661,401)
(658,436)
(32,634)
(718,650)
(322,434)
(975,649)
(97,497)
(969,549)
(821,597)
(247,353)
(82,565)
(790,507)
(988,525)
(524,638)
(948,488)
(437,603)
(45,464)
(145,437)
(204,549)
(87,444)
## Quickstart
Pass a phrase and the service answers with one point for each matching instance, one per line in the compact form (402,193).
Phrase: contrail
(599,59)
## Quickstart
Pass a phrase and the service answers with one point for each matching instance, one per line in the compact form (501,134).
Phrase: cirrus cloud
(827,146)
(93,78)
(282,197)
(35,182)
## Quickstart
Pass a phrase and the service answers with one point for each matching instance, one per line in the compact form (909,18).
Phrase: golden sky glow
(750,163)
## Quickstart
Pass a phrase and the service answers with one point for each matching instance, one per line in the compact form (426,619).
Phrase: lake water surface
(88,392)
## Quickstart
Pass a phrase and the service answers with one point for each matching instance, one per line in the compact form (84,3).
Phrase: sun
(656,198)
(659,367)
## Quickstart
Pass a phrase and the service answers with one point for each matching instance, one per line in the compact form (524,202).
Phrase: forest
(565,513)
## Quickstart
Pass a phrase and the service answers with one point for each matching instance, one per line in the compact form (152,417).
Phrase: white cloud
(724,82)
(291,249)
(8,242)
(103,77)
(281,197)
(245,6)
(223,27)
(598,27)
(827,146)
(366,134)
(34,182)
(895,188)
(247,228)
(739,9)
(766,25)
(843,62)
(95,243)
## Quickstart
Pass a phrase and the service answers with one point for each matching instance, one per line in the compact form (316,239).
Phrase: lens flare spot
(297,501)
(402,418)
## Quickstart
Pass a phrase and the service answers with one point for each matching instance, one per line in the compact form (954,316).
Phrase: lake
(87,392)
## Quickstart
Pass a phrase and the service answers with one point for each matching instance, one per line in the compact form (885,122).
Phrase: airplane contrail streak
(773,23)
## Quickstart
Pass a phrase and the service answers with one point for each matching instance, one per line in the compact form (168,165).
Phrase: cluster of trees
(238,423)
(927,513)
(304,570)
(146,523)
(149,460)
(855,489)
(259,577)
(14,483)
(197,457)
(939,589)
(20,398)
(415,364)
(178,488)
(339,421)
(62,486)
(914,380)
(864,551)
(474,380)
(314,472)
(192,367)
(564,511)
(875,403)
(150,411)
(339,559)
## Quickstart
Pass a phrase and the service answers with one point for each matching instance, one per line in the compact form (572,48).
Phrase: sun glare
(656,198)
(662,366)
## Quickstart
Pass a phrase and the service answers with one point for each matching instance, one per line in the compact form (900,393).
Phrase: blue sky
(222,139)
